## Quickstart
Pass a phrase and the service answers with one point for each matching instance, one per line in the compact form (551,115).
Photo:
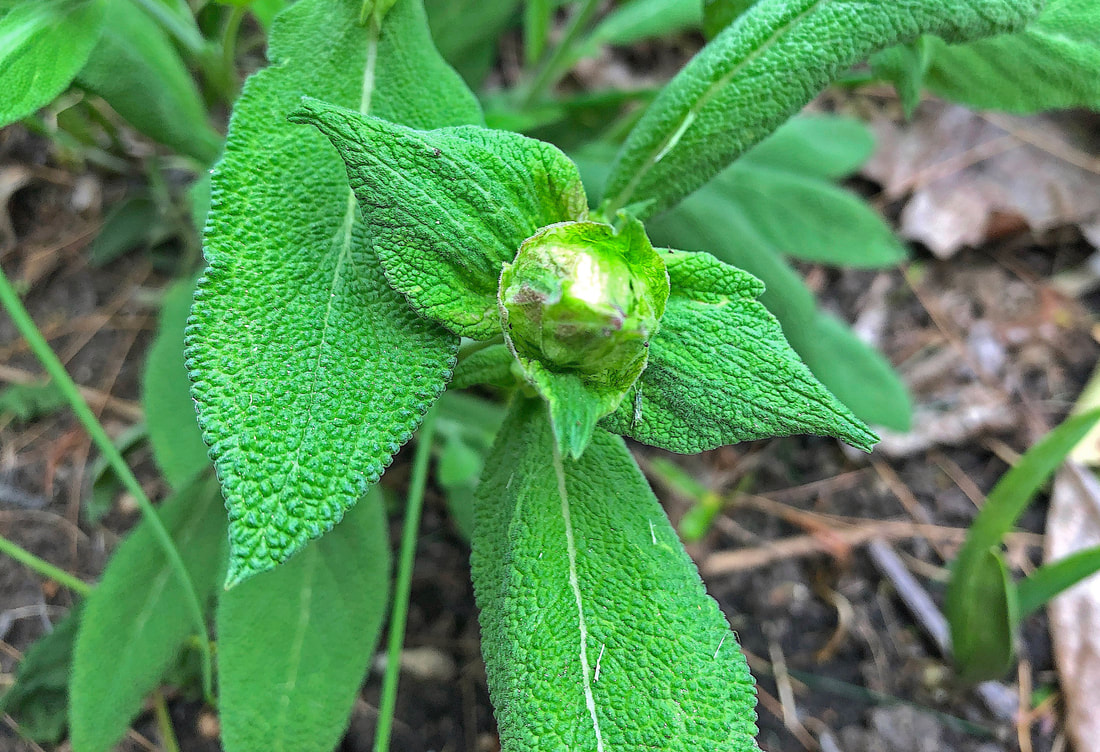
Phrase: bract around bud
(578,307)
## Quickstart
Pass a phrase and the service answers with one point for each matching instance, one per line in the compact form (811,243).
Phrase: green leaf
(579,307)
(25,402)
(266,10)
(906,65)
(710,221)
(294,643)
(309,371)
(983,627)
(596,630)
(106,485)
(1051,64)
(1051,579)
(491,365)
(135,622)
(820,146)
(467,33)
(972,570)
(856,373)
(537,18)
(130,223)
(466,426)
(718,14)
(137,70)
(721,372)
(760,71)
(43,43)
(448,208)
(643,19)
(808,218)
(39,698)
(166,398)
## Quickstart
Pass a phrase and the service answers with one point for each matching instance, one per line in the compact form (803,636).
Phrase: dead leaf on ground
(972,177)
(1073,524)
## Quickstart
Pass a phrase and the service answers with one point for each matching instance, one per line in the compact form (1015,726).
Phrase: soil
(841,663)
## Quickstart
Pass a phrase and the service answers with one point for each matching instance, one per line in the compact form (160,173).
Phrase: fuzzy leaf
(808,218)
(310,372)
(169,410)
(760,70)
(39,698)
(137,70)
(43,43)
(1051,64)
(294,643)
(586,597)
(860,377)
(818,146)
(135,621)
(447,208)
(721,372)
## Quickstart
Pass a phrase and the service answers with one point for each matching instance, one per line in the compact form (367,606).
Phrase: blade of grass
(10,301)
(1049,580)
(400,612)
(43,567)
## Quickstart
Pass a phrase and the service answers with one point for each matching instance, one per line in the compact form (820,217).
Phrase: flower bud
(580,298)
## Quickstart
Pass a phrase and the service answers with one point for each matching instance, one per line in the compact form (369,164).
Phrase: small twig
(912,594)
(786,696)
(1024,719)
(998,698)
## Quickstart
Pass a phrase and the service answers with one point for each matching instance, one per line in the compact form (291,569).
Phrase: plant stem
(187,36)
(43,567)
(41,349)
(557,63)
(403,582)
(228,74)
(164,723)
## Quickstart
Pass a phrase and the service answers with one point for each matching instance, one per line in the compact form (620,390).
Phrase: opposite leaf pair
(670,348)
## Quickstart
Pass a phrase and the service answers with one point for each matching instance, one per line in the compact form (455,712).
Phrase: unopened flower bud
(581,298)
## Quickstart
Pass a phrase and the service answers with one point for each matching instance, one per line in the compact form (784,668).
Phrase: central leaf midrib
(342,240)
(571,550)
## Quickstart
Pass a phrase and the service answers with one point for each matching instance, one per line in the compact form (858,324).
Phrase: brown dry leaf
(1073,523)
(977,176)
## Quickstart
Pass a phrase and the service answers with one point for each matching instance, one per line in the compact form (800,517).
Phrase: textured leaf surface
(761,70)
(39,698)
(1051,64)
(720,371)
(294,643)
(447,208)
(166,396)
(808,218)
(310,372)
(596,630)
(820,146)
(858,375)
(135,67)
(136,620)
(43,43)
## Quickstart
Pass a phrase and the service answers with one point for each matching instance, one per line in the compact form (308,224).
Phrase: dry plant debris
(972,177)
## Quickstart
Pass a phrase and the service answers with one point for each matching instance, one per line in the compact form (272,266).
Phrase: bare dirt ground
(993,345)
